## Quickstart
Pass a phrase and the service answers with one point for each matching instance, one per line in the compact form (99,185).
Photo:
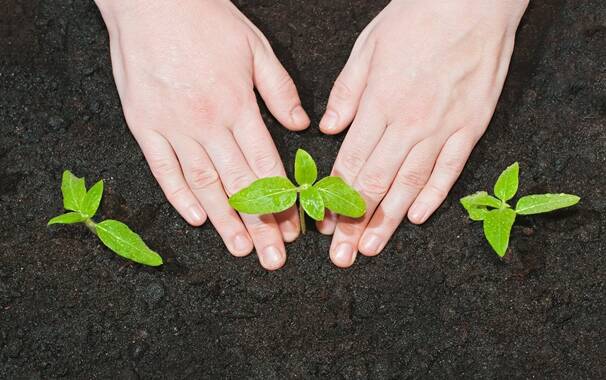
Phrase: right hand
(185,72)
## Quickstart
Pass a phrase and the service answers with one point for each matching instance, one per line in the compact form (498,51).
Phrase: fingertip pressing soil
(437,303)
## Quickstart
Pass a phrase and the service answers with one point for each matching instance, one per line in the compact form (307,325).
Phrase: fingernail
(372,244)
(299,116)
(344,254)
(195,215)
(329,120)
(417,212)
(272,258)
(290,231)
(242,244)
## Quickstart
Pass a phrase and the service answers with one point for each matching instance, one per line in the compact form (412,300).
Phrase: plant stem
(302,219)
(91,225)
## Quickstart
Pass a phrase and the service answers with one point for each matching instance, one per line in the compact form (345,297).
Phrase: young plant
(274,194)
(497,214)
(83,205)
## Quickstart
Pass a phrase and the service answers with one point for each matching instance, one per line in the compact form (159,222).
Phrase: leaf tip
(232,202)
(156,262)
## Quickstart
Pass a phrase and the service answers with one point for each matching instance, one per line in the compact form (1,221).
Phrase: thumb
(278,90)
(346,93)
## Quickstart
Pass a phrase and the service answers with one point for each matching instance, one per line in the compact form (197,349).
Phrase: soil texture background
(437,303)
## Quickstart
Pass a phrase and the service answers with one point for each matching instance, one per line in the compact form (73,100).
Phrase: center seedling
(275,194)
(498,216)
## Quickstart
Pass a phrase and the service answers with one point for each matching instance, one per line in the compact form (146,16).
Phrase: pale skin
(418,90)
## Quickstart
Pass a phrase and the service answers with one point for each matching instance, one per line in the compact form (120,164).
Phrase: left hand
(420,86)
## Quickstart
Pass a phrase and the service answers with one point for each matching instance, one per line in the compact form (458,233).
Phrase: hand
(420,86)
(185,72)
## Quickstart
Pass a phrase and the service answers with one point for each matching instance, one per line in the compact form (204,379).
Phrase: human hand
(185,72)
(420,86)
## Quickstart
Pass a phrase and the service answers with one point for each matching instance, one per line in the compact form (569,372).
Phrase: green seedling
(83,205)
(274,194)
(497,214)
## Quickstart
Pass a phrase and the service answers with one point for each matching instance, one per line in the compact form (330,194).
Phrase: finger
(235,174)
(372,182)
(204,182)
(264,160)
(364,134)
(346,93)
(166,169)
(411,178)
(449,165)
(278,90)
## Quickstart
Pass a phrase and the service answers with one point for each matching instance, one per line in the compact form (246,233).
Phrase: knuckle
(174,195)
(238,100)
(351,163)
(412,179)
(201,177)
(237,180)
(161,167)
(341,92)
(285,84)
(373,185)
(204,109)
(438,191)
(453,165)
(265,231)
(350,228)
(266,164)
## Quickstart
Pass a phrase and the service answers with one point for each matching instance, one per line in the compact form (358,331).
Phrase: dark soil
(436,304)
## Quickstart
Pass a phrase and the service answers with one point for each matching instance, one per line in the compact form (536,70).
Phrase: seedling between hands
(276,194)
(83,205)
(497,214)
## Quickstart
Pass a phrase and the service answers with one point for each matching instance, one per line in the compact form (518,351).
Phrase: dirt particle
(153,293)
(13,348)
(56,123)
(137,350)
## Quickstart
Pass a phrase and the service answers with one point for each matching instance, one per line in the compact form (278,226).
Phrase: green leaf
(477,213)
(68,218)
(92,199)
(497,227)
(74,191)
(312,203)
(123,241)
(507,184)
(305,168)
(481,198)
(340,198)
(536,204)
(265,196)
(476,204)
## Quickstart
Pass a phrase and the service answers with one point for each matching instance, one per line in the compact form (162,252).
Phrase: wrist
(116,7)
(117,13)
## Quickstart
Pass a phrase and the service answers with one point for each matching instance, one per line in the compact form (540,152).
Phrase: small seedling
(498,216)
(274,194)
(83,205)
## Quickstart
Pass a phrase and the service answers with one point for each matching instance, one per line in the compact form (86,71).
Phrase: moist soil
(437,303)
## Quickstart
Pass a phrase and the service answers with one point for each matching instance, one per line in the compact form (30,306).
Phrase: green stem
(302,219)
(91,225)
